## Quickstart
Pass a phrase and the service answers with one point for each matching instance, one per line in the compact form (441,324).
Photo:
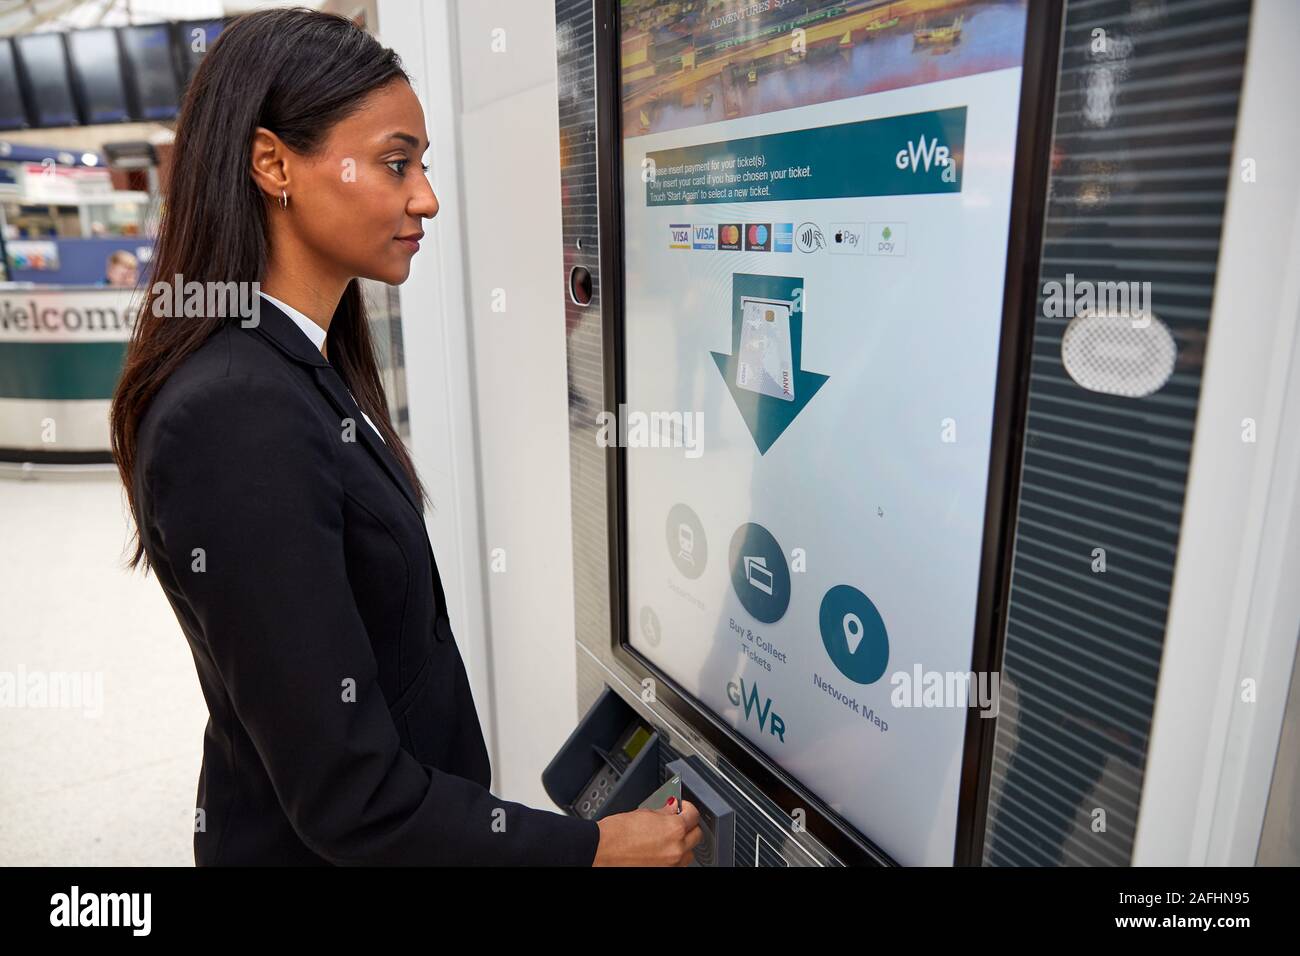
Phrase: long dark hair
(296,72)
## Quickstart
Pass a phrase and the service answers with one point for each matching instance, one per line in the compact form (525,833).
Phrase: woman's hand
(660,837)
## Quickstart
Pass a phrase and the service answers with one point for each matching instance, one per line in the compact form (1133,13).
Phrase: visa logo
(922,155)
(705,237)
(679,236)
(767,718)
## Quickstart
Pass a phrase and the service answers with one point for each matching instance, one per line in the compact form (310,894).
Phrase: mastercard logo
(757,235)
(730,235)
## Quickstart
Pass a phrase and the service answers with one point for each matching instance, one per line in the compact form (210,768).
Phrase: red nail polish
(671,801)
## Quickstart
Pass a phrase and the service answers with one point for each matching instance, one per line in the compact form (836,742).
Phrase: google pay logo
(921,155)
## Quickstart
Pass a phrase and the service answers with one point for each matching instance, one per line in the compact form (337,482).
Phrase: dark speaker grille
(1141,161)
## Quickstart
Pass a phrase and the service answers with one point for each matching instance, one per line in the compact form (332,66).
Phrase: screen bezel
(1043,19)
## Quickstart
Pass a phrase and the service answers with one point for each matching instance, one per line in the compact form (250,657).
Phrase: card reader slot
(592,775)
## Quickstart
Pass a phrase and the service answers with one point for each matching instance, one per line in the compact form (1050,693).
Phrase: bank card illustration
(765,364)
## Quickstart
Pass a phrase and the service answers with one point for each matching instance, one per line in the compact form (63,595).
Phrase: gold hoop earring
(284,200)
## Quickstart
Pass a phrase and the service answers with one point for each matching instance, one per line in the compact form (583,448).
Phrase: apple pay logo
(848,238)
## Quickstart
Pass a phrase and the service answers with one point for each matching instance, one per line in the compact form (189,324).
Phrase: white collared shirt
(317,336)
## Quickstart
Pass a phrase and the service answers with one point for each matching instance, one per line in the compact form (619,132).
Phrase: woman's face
(357,199)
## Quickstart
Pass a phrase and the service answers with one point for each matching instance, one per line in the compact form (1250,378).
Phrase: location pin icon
(852,631)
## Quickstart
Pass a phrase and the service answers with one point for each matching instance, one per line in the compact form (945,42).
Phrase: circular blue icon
(854,634)
(759,574)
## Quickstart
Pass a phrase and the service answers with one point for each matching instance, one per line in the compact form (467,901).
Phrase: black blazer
(289,543)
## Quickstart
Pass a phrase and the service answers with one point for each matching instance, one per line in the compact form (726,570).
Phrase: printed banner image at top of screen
(686,65)
(910,155)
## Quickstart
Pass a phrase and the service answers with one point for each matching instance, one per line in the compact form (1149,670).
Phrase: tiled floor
(78,789)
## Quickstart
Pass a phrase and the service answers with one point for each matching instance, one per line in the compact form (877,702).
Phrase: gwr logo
(921,155)
(767,717)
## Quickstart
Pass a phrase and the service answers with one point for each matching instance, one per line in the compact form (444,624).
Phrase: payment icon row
(733,236)
(840,238)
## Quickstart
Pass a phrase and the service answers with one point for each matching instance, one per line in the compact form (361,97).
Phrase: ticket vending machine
(856,405)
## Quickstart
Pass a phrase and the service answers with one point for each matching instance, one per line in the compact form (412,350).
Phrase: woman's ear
(269,163)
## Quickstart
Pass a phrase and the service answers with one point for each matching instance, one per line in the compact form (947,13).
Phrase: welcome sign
(61,353)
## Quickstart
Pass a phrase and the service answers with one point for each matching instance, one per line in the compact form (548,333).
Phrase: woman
(275,501)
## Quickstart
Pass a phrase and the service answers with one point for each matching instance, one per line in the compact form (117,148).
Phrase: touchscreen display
(815,225)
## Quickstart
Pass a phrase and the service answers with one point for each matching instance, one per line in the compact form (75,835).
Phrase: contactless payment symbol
(853,634)
(809,238)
